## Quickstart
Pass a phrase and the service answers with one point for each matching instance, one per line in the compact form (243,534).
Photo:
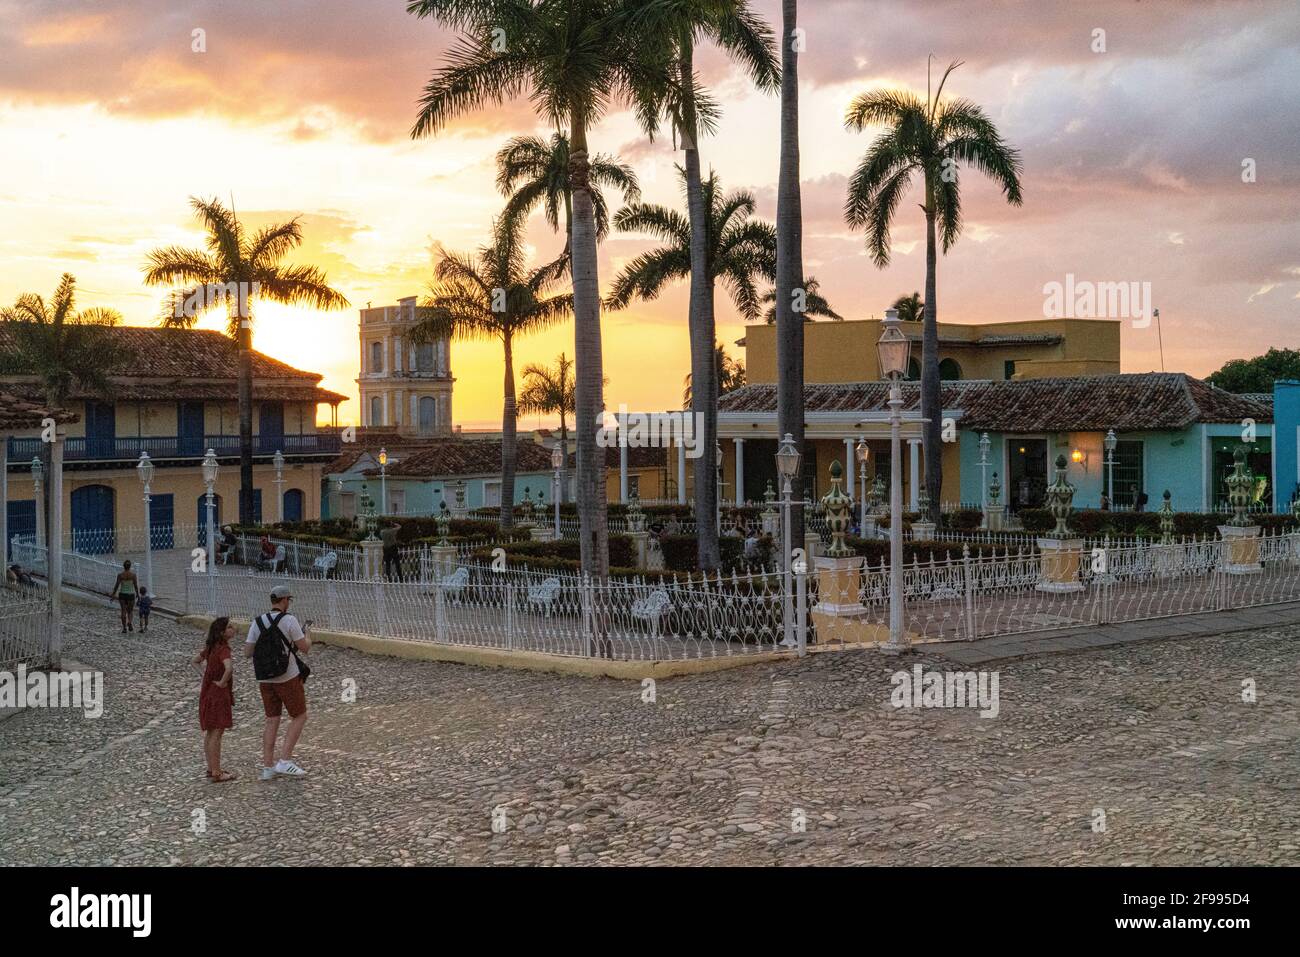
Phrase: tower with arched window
(403,385)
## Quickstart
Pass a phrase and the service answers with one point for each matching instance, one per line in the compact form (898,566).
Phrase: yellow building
(839,354)
(403,385)
(174,395)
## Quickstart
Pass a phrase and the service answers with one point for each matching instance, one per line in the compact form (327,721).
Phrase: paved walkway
(801,762)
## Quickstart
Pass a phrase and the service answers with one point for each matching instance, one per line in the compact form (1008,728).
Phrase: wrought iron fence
(24,627)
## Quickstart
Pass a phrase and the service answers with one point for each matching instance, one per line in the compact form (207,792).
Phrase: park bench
(651,608)
(455,583)
(326,563)
(544,595)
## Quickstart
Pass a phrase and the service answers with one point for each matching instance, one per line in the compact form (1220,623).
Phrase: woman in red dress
(217,695)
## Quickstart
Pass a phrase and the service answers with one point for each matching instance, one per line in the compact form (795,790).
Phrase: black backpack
(271,653)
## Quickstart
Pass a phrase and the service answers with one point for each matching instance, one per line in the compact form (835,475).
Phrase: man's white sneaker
(289,769)
(267,774)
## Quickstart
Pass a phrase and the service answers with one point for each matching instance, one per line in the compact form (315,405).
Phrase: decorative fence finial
(838,508)
(1060,496)
(1239,485)
(443,521)
(923,501)
(635,517)
(526,509)
(1167,520)
(995,489)
(878,490)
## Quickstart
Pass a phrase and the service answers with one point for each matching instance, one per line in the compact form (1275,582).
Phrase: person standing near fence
(275,640)
(124,590)
(216,695)
(392,553)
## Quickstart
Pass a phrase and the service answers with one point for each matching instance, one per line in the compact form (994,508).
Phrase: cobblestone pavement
(716,770)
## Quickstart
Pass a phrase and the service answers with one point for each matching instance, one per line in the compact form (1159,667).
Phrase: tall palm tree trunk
(931,401)
(789,257)
(593,534)
(509,445)
(244,346)
(704,390)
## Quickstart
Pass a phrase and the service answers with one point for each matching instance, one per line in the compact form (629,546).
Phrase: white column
(740,471)
(915,447)
(54,556)
(850,486)
(681,474)
(388,412)
(622,467)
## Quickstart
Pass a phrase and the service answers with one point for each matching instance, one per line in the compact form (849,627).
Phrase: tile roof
(466,457)
(1124,402)
(19,414)
(156,361)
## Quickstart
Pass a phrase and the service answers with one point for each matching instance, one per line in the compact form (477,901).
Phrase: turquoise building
(1286,429)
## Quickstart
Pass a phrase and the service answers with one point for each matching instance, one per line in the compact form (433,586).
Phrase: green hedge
(1094,523)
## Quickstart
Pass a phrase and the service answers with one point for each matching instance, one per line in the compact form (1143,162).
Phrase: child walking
(217,695)
(144,605)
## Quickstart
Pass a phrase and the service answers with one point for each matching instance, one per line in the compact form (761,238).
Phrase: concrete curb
(519,660)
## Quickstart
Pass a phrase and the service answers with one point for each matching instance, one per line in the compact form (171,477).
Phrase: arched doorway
(293,499)
(949,370)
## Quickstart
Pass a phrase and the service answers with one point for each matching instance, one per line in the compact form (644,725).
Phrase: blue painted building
(417,479)
(1286,440)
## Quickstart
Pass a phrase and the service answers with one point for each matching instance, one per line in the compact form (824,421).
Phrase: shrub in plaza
(622,552)
(963,520)
(877,550)
(681,553)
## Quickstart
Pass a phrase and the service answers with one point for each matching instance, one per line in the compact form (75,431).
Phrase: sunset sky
(1133,166)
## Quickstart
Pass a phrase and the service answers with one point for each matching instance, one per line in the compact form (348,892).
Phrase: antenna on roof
(1159,338)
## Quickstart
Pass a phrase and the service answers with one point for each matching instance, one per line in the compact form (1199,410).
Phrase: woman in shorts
(124,590)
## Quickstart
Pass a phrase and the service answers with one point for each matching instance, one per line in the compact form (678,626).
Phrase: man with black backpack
(275,640)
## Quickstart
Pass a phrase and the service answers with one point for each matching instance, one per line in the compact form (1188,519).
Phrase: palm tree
(66,349)
(235,271)
(680,26)
(494,296)
(814,303)
(728,372)
(572,58)
(738,251)
(789,252)
(910,308)
(532,171)
(548,390)
(929,137)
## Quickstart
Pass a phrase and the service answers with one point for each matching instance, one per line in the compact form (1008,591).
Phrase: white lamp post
(985,444)
(144,469)
(383,481)
(557,463)
(787,467)
(210,469)
(863,454)
(278,461)
(1109,443)
(718,459)
(38,471)
(893,350)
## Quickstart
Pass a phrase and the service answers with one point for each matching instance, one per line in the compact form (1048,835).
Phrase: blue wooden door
(162,533)
(22,522)
(101,429)
(293,505)
(270,427)
(92,520)
(189,427)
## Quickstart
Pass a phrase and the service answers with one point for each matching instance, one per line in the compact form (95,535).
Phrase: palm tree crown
(738,250)
(729,373)
(66,349)
(814,303)
(910,308)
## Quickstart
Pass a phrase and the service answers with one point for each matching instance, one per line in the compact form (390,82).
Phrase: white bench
(544,595)
(326,563)
(651,608)
(455,583)
(277,562)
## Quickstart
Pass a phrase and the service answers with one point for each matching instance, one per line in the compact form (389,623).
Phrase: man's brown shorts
(278,696)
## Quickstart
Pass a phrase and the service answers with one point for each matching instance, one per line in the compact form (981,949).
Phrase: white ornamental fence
(24,627)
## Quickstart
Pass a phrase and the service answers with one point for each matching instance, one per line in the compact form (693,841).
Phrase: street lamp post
(144,469)
(984,480)
(557,463)
(210,470)
(383,481)
(1109,443)
(718,460)
(787,467)
(863,454)
(278,461)
(893,350)
(38,471)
